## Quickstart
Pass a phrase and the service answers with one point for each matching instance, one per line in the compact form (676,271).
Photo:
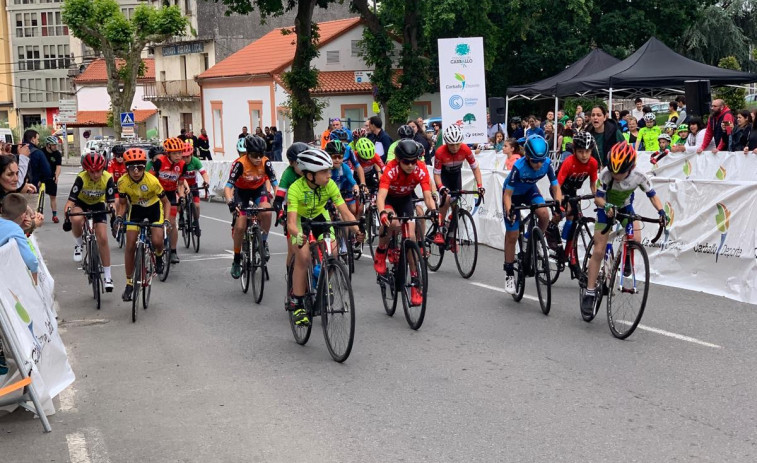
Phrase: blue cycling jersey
(343,178)
(349,158)
(523,177)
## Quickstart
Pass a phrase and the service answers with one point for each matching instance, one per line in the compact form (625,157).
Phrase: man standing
(379,137)
(334,124)
(182,135)
(55,160)
(719,127)
(203,146)
(278,144)
(682,116)
(638,111)
(550,118)
(244,132)
(39,168)
(580,112)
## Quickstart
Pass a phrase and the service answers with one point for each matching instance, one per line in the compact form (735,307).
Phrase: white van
(6,135)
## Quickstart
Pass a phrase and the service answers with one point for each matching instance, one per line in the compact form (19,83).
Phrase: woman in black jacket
(740,134)
(606,133)
(420,137)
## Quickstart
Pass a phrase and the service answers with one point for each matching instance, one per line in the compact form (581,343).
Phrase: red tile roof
(340,83)
(96,72)
(273,52)
(100,118)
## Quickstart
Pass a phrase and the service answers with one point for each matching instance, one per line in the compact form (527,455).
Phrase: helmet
(583,141)
(254,144)
(155,151)
(335,147)
(51,140)
(118,150)
(314,160)
(365,149)
(405,131)
(453,135)
(188,149)
(93,162)
(537,148)
(683,127)
(358,133)
(664,136)
(622,158)
(135,156)
(173,145)
(650,117)
(515,120)
(295,150)
(407,149)
(341,135)
(241,148)
(670,125)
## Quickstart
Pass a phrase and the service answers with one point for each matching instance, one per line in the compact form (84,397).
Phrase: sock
(173,251)
(78,241)
(566,229)
(382,249)
(590,292)
(264,235)
(237,250)
(509,269)
(237,257)
(129,282)
(106,271)
(55,213)
(298,301)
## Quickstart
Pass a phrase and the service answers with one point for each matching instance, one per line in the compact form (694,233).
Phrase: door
(186,121)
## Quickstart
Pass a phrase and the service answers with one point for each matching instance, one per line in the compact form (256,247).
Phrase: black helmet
(335,147)
(584,140)
(407,149)
(295,150)
(405,131)
(155,151)
(118,150)
(254,144)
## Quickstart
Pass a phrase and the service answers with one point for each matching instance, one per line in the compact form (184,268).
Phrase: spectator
(549,133)
(719,127)
(633,130)
(421,125)
(562,118)
(752,144)
(14,213)
(673,112)
(568,124)
(622,115)
(278,144)
(379,137)
(437,127)
(511,148)
(203,146)
(682,116)
(616,115)
(493,128)
(605,131)
(550,119)
(578,124)
(55,160)
(334,124)
(268,142)
(516,129)
(194,141)
(39,168)
(182,135)
(740,134)
(244,132)
(499,141)
(420,137)
(259,132)
(638,112)
(580,112)
(696,135)
(533,127)
(567,138)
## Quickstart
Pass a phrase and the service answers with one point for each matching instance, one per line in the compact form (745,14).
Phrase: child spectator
(13,215)
(511,148)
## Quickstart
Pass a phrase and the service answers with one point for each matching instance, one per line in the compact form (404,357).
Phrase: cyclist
(396,186)
(520,188)
(448,163)
(307,197)
(169,169)
(372,164)
(155,151)
(54,158)
(93,191)
(288,177)
(404,132)
(648,135)
(615,188)
(342,175)
(148,201)
(116,166)
(349,154)
(194,165)
(250,180)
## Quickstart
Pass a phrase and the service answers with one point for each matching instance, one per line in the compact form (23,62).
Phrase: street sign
(363,77)
(127,120)
(66,111)
(127,132)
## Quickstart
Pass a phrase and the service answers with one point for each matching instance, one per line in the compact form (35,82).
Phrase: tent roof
(652,66)
(596,61)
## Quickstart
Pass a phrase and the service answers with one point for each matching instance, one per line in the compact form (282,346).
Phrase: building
(246,89)
(7,114)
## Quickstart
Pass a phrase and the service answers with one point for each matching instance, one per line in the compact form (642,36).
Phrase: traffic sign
(127,132)
(363,77)
(66,111)
(127,120)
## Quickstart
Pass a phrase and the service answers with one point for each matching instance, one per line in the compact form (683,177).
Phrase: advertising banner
(705,166)
(462,86)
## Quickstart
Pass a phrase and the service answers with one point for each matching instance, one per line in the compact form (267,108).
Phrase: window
(56,56)
(28,58)
(217,109)
(420,109)
(256,114)
(31,90)
(23,2)
(128,12)
(26,25)
(353,115)
(4,120)
(355,48)
(332,57)
(52,24)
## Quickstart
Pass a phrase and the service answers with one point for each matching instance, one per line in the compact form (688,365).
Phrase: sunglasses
(137,167)
(409,162)
(255,155)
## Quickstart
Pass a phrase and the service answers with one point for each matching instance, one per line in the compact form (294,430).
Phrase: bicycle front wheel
(166,255)
(147,278)
(257,266)
(139,259)
(337,311)
(628,290)
(186,230)
(94,269)
(435,253)
(414,283)
(301,333)
(583,282)
(519,268)
(467,244)
(541,269)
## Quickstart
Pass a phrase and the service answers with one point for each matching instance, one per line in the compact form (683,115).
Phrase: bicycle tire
(371,231)
(583,281)
(121,237)
(136,280)
(94,270)
(350,254)
(466,236)
(413,314)
(623,326)
(519,269)
(192,228)
(301,333)
(244,278)
(338,323)
(147,281)
(186,230)
(166,254)
(540,253)
(435,254)
(257,266)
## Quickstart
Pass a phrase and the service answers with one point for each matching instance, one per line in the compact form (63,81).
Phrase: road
(207,375)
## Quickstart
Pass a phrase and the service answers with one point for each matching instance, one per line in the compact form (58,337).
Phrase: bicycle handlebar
(144,223)
(479,200)
(571,199)
(256,210)
(89,213)
(532,207)
(635,217)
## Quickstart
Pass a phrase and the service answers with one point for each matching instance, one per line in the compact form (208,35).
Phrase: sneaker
(439,238)
(159,264)
(553,237)
(127,293)
(108,285)
(77,253)
(416,296)
(379,263)
(300,316)
(56,219)
(236,270)
(510,284)
(198,232)
(452,245)
(174,257)
(587,305)
(266,251)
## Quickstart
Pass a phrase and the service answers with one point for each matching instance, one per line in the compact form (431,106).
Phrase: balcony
(172,90)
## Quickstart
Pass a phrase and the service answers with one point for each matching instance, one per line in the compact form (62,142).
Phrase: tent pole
(554,128)
(507,116)
(611,101)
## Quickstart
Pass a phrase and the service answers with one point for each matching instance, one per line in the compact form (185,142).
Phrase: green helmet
(365,149)
(682,128)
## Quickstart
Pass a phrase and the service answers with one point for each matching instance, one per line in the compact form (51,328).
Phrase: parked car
(427,123)
(751,101)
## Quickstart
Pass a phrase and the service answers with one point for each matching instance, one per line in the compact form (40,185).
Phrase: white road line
(196,259)
(67,400)
(77,448)
(97,449)
(669,334)
(229,222)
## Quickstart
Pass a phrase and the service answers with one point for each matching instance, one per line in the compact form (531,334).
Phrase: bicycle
(406,259)
(576,245)
(144,265)
(189,231)
(166,249)
(345,242)
(465,243)
(253,254)
(91,263)
(532,257)
(617,283)
(328,294)
(371,217)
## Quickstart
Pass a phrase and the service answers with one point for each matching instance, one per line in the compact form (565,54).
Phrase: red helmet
(188,149)
(93,162)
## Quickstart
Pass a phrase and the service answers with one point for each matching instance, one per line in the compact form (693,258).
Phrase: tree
(733,96)
(469,118)
(101,25)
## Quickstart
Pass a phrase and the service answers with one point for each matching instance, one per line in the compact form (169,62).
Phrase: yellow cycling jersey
(89,192)
(144,193)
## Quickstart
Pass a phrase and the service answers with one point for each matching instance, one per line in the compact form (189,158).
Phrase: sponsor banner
(462,86)
(706,166)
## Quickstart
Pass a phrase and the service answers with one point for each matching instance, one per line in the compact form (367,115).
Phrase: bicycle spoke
(338,312)
(628,291)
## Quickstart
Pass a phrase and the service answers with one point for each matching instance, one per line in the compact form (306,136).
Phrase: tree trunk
(121,89)
(304,107)
(373,24)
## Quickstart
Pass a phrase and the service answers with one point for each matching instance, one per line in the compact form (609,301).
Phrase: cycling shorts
(401,205)
(452,180)
(242,198)
(531,196)
(99,207)
(153,213)
(173,198)
(317,230)
(602,215)
(372,179)
(348,196)
(195,196)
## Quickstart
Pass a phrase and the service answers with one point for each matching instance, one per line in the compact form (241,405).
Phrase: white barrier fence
(711,244)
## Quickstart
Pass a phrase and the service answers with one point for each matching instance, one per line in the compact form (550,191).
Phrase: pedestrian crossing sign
(127,119)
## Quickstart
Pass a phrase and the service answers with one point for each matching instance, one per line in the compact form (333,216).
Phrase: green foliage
(571,104)
(725,28)
(733,97)
(43,130)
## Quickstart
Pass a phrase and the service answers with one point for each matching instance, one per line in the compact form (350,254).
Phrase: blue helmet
(342,135)
(537,148)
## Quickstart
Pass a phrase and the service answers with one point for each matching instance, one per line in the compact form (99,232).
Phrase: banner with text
(462,86)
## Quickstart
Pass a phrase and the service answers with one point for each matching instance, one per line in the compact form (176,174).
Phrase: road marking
(229,222)
(272,254)
(77,448)
(196,259)
(67,400)
(669,334)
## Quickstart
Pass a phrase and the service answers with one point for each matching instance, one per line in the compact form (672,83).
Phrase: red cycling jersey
(572,172)
(168,174)
(448,162)
(368,164)
(399,183)
(116,169)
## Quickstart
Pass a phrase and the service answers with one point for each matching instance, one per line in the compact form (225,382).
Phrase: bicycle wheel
(556,261)
(186,229)
(388,293)
(372,230)
(519,268)
(541,269)
(435,253)
(137,276)
(467,244)
(627,295)
(337,310)
(349,239)
(301,332)
(244,278)
(166,255)
(415,277)
(121,237)
(583,281)
(257,266)
(94,270)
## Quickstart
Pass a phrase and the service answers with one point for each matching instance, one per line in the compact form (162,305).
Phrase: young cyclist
(350,159)
(307,198)
(116,166)
(372,164)
(94,191)
(615,188)
(288,177)
(396,186)
(250,180)
(648,135)
(520,188)
(405,132)
(169,169)
(342,175)
(193,165)
(148,201)
(678,144)
(448,163)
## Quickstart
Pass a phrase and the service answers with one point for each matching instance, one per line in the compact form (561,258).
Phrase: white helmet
(664,136)
(314,160)
(453,135)
(650,117)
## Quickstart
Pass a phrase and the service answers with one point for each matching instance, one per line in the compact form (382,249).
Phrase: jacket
(715,131)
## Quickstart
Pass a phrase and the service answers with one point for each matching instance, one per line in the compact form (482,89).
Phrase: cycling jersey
(350,158)
(116,169)
(390,154)
(168,173)
(310,203)
(572,173)
(621,193)
(649,136)
(192,167)
(88,192)
(247,176)
(444,161)
(399,183)
(288,177)
(144,193)
(344,179)
(370,164)
(523,177)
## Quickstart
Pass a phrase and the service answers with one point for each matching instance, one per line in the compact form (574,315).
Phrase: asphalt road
(207,375)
